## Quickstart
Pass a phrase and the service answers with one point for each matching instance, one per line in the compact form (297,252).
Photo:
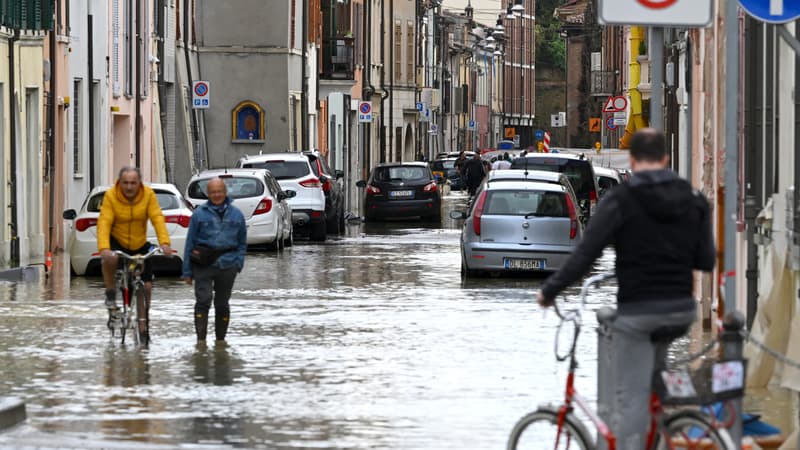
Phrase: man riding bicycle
(122,225)
(661,231)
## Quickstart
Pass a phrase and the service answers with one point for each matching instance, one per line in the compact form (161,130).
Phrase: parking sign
(201,98)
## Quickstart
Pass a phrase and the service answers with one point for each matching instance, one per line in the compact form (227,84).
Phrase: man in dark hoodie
(661,230)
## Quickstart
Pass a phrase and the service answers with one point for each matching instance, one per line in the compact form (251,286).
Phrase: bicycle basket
(713,381)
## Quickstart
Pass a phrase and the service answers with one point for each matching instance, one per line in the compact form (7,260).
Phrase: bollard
(732,349)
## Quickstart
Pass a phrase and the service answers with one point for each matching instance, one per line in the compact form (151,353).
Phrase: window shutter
(117,88)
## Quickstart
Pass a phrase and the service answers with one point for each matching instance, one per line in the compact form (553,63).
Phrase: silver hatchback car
(519,226)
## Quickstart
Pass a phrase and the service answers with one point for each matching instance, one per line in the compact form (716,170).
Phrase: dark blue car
(444,169)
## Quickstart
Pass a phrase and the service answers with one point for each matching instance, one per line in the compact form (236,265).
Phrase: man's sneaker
(111,301)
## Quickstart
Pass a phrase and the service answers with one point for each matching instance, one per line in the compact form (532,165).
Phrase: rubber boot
(200,325)
(221,326)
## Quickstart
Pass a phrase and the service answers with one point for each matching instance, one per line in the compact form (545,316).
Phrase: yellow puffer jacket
(127,221)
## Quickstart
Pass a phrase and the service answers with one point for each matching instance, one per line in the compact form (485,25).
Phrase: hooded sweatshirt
(661,230)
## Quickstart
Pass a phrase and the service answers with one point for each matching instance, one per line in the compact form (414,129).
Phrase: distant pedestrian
(474,172)
(459,163)
(214,255)
(661,231)
(502,163)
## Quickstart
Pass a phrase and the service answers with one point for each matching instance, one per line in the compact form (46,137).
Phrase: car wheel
(467,272)
(318,231)
(332,225)
(288,242)
(342,227)
(276,244)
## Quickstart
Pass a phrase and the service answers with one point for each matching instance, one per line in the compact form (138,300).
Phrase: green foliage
(550,46)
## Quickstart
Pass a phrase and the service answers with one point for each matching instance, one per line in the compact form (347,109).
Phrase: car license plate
(524,264)
(401,194)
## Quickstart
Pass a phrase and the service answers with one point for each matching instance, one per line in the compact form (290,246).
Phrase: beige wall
(5,234)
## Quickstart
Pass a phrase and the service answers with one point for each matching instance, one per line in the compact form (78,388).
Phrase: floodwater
(370,340)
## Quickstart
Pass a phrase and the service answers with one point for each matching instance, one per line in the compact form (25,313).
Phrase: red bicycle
(557,427)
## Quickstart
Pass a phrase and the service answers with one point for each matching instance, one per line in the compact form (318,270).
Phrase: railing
(337,58)
(604,82)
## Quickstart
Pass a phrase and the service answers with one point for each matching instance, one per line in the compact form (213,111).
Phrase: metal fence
(27,14)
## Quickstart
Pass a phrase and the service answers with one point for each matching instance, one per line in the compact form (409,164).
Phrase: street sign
(425,115)
(434,129)
(510,132)
(620,118)
(365,112)
(556,121)
(669,13)
(772,11)
(420,106)
(200,95)
(610,123)
(472,125)
(614,104)
(594,124)
(516,141)
(539,134)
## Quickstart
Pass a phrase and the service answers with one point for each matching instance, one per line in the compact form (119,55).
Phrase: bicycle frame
(129,281)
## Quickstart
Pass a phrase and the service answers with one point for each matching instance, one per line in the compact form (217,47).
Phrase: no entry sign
(668,13)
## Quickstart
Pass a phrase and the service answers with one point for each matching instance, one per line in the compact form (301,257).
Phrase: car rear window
(281,170)
(238,187)
(446,164)
(579,173)
(521,203)
(606,182)
(401,173)
(166,200)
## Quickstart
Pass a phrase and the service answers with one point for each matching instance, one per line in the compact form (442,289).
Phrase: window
(247,122)
(238,187)
(398,48)
(282,170)
(128,46)
(410,72)
(77,124)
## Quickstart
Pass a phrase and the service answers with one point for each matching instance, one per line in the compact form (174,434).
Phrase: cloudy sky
(486,11)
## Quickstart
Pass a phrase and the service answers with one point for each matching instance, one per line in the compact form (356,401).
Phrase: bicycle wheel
(539,430)
(142,328)
(690,430)
(125,314)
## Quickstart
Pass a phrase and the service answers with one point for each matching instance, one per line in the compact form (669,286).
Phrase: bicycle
(683,429)
(130,284)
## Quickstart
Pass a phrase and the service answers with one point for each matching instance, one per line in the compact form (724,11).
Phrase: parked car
(84,258)
(518,226)
(332,187)
(577,168)
(260,198)
(445,170)
(293,172)
(401,190)
(607,178)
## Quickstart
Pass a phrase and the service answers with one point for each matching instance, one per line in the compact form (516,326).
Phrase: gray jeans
(632,358)
(211,283)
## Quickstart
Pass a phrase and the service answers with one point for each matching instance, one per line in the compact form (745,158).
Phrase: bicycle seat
(667,334)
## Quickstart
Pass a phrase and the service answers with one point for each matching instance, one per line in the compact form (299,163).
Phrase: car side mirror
(69,214)
(339,174)
(361,183)
(289,193)
(458,215)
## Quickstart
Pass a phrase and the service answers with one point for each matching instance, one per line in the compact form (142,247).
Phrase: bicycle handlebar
(153,252)
(593,281)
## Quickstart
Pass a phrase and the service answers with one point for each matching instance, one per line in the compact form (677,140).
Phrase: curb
(12,412)
(27,273)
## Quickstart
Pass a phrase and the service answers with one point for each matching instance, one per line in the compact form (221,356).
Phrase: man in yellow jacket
(122,225)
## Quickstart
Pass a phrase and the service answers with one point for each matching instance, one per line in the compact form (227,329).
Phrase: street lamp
(518,8)
(509,13)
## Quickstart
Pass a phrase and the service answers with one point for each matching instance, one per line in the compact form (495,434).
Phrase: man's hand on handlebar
(543,301)
(167,250)
(106,253)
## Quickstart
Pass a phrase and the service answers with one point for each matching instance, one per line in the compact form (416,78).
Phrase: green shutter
(27,14)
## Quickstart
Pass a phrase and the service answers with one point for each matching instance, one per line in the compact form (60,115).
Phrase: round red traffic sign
(610,123)
(365,107)
(201,88)
(657,4)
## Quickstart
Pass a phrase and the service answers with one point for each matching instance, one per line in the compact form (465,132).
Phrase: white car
(607,178)
(260,198)
(293,171)
(82,242)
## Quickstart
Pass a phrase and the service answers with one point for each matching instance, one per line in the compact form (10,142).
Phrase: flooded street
(367,341)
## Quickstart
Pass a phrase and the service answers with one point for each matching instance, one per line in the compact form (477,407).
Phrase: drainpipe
(636,122)
(369,91)
(51,120)
(138,90)
(90,85)
(391,84)
(304,92)
(195,129)
(14,259)
(384,92)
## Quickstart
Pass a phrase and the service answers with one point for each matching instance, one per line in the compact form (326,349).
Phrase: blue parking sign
(539,135)
(772,11)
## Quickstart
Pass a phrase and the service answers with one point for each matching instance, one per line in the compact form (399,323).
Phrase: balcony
(604,83)
(337,58)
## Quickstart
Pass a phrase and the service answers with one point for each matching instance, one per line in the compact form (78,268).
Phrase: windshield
(401,173)
(238,187)
(521,203)
(444,164)
(579,173)
(281,170)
